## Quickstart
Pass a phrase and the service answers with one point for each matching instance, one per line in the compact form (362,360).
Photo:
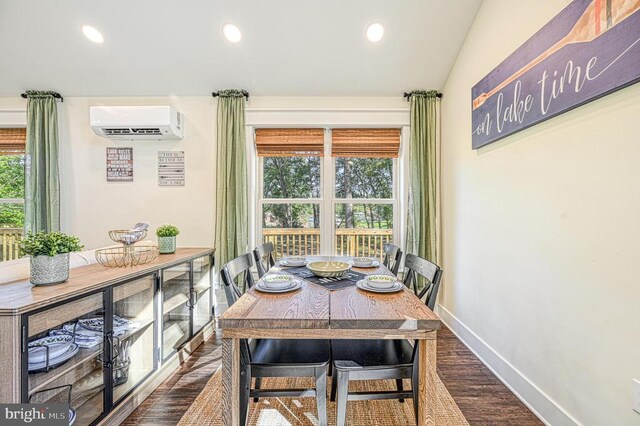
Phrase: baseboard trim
(546,409)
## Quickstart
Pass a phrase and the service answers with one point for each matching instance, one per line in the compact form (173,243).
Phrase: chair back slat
(392,257)
(414,267)
(230,271)
(263,255)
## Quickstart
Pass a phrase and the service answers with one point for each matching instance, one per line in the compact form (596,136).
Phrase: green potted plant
(49,256)
(167,238)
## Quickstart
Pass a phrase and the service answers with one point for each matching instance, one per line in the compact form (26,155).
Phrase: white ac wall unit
(137,122)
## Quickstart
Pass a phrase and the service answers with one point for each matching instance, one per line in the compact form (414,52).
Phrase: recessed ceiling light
(92,34)
(375,32)
(232,33)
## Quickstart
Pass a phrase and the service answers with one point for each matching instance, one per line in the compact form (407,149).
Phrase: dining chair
(277,357)
(392,257)
(231,271)
(263,254)
(382,359)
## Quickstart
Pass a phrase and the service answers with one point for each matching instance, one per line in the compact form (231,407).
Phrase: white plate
(375,264)
(54,362)
(286,262)
(277,280)
(72,416)
(362,284)
(58,344)
(261,287)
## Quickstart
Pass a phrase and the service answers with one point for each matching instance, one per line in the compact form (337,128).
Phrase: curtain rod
(55,95)
(244,92)
(407,95)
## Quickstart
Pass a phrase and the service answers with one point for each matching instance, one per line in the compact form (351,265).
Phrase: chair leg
(343,394)
(258,384)
(321,394)
(334,385)
(399,387)
(414,389)
(245,389)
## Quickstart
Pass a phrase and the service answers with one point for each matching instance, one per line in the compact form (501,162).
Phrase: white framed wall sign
(171,168)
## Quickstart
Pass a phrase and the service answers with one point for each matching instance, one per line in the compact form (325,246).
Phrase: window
(342,203)
(12,180)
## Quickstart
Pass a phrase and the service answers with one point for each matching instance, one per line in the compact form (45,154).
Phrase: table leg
(427,382)
(230,382)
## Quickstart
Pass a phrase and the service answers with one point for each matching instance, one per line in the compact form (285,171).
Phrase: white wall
(542,236)
(90,206)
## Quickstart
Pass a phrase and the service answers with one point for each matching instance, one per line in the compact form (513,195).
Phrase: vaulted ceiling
(176,47)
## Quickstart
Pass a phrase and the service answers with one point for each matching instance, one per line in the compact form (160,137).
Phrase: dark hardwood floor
(483,399)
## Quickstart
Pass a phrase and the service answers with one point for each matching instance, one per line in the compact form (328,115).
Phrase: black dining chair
(277,357)
(382,359)
(263,254)
(392,257)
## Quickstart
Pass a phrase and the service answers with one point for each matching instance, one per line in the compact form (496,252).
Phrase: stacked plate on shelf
(58,349)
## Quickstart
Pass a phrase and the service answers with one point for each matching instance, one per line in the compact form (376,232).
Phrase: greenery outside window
(333,198)
(12,188)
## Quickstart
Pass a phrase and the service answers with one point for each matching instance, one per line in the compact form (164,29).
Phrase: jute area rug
(207,408)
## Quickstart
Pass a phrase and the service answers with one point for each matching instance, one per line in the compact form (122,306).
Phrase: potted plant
(167,238)
(49,255)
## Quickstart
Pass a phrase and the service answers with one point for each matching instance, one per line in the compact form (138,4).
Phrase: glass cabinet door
(133,335)
(64,357)
(176,315)
(201,294)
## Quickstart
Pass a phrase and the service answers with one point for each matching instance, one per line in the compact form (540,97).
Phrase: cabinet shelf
(180,271)
(174,302)
(39,381)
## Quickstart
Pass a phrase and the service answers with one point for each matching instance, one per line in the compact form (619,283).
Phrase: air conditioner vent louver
(117,131)
(155,131)
(137,122)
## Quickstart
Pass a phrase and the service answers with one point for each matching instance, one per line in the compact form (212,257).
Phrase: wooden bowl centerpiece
(329,269)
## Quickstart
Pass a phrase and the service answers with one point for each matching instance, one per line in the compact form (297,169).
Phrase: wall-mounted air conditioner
(137,122)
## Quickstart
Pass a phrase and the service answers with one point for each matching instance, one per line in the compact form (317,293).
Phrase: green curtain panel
(42,195)
(232,220)
(423,212)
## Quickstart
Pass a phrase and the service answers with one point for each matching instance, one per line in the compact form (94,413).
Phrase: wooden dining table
(314,312)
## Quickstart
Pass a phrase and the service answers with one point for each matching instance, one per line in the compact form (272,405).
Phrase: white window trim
(327,119)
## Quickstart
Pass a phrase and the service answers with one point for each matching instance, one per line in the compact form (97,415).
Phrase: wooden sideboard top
(17,297)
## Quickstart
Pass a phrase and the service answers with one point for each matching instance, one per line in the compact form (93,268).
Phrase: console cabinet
(103,340)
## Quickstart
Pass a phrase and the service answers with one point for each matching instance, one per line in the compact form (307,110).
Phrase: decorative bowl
(381,281)
(295,260)
(329,269)
(362,261)
(278,281)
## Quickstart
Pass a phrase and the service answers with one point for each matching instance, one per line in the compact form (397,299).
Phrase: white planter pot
(49,269)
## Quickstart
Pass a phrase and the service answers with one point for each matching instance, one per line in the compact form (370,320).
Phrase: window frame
(15,119)
(327,200)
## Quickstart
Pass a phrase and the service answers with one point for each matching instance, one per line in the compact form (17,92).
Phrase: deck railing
(349,242)
(10,243)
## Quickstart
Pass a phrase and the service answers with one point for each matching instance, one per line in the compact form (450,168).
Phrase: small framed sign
(119,164)
(170,168)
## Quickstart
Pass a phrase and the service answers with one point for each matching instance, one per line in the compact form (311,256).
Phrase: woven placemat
(206,410)
(347,280)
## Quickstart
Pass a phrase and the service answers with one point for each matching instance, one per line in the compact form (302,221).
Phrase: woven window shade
(289,142)
(371,143)
(12,141)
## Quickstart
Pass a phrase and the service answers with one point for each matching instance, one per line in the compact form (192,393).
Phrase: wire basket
(119,257)
(127,236)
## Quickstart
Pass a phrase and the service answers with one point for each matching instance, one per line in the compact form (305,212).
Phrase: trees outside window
(313,205)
